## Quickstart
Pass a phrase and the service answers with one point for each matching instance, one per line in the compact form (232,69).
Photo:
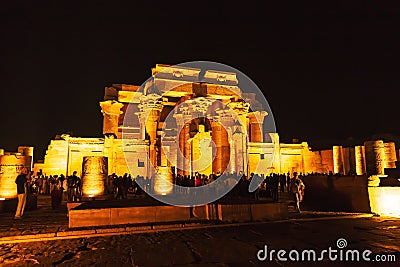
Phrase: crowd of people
(120,186)
(53,185)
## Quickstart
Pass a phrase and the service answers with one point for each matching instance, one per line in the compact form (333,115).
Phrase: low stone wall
(336,193)
(126,215)
(252,212)
(385,200)
(87,217)
(206,212)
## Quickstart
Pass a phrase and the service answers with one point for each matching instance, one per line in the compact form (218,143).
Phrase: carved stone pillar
(242,109)
(374,157)
(226,118)
(390,155)
(256,126)
(241,132)
(111,110)
(338,163)
(150,110)
(239,151)
(221,140)
(181,143)
(163,153)
(360,160)
(183,123)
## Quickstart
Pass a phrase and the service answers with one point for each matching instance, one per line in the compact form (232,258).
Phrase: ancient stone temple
(174,123)
(199,123)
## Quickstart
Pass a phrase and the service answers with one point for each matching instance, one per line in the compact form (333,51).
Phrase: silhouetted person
(120,188)
(55,196)
(71,186)
(21,182)
(297,189)
(125,186)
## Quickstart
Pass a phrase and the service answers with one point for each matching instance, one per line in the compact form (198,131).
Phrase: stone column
(222,153)
(181,143)
(374,157)
(11,166)
(241,108)
(226,118)
(240,149)
(163,153)
(111,110)
(182,122)
(276,163)
(150,109)
(349,161)
(390,155)
(27,151)
(256,126)
(187,149)
(142,126)
(360,160)
(94,175)
(338,159)
(109,153)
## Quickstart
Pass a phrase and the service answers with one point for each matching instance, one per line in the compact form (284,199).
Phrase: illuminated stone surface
(236,139)
(163,181)
(94,175)
(349,161)
(360,160)
(385,201)
(27,151)
(11,166)
(111,111)
(202,151)
(374,157)
(390,155)
(338,164)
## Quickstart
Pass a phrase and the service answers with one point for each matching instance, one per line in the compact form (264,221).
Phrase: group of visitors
(53,185)
(120,186)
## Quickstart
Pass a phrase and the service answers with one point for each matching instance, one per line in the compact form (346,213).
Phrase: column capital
(199,104)
(257,116)
(150,107)
(111,108)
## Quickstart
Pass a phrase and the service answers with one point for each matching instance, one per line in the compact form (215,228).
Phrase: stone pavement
(225,245)
(48,224)
(42,220)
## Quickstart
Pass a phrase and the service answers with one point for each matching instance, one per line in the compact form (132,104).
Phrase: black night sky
(329,71)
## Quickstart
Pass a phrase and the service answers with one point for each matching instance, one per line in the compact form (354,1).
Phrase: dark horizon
(327,71)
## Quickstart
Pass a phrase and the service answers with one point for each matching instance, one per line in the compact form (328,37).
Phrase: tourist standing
(21,182)
(71,183)
(297,189)
(78,185)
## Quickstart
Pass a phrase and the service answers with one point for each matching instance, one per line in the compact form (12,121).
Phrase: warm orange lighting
(94,175)
(163,181)
(10,166)
(385,201)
